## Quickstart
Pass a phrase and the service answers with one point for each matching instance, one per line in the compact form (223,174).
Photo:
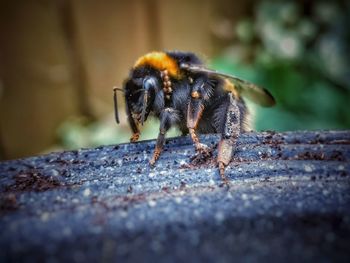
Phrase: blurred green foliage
(302,56)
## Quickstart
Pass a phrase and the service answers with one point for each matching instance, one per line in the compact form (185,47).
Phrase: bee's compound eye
(195,94)
(149,83)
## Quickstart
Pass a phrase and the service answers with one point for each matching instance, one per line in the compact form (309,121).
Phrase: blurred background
(59,60)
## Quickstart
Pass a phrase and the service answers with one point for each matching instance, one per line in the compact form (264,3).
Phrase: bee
(179,90)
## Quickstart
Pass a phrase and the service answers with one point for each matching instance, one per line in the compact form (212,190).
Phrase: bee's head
(140,93)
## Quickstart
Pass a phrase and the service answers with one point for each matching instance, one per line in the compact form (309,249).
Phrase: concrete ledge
(289,201)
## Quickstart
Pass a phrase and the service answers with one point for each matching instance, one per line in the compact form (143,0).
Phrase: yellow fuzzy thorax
(160,61)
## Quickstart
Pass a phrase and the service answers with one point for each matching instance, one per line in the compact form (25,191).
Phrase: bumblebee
(179,90)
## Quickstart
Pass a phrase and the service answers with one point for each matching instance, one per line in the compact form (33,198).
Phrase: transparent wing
(247,89)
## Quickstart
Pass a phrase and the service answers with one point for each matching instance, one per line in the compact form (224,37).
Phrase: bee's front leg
(133,124)
(231,131)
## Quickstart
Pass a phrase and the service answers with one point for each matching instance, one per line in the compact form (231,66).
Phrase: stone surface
(289,200)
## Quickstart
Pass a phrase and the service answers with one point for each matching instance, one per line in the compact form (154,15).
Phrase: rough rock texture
(289,200)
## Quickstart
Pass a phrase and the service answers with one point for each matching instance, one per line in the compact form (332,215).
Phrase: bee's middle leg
(194,114)
(167,116)
(201,148)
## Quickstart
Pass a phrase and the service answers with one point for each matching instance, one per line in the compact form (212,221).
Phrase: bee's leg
(229,135)
(159,146)
(166,118)
(194,114)
(135,137)
(201,148)
(135,129)
(133,125)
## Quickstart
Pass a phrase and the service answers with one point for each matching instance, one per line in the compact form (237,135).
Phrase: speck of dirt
(343,174)
(134,198)
(319,156)
(65,173)
(273,139)
(95,200)
(237,159)
(129,190)
(313,178)
(166,189)
(310,156)
(268,138)
(222,185)
(127,159)
(187,166)
(62,161)
(8,203)
(264,156)
(270,132)
(337,156)
(201,158)
(317,140)
(77,161)
(33,181)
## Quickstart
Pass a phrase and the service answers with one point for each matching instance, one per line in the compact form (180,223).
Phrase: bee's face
(141,96)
